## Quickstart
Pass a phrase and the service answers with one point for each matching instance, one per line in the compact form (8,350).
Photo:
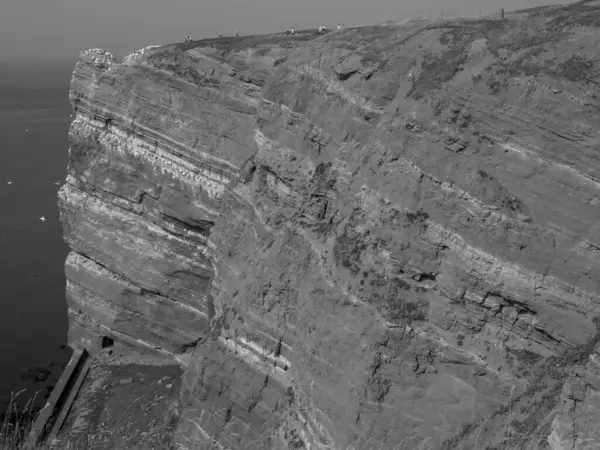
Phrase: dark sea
(34,124)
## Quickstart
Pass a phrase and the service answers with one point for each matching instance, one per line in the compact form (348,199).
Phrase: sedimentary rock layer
(376,236)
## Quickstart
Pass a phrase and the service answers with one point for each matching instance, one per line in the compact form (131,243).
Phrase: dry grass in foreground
(16,425)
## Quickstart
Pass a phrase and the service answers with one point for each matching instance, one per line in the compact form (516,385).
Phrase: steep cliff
(382,237)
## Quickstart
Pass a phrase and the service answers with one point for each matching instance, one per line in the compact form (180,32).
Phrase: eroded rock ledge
(385,234)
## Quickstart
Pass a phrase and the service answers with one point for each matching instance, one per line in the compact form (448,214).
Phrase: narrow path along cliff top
(370,238)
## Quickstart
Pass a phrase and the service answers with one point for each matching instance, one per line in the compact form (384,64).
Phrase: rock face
(384,237)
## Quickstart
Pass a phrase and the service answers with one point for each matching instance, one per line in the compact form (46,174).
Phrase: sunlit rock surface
(381,235)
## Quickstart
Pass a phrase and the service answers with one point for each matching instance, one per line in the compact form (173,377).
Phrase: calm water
(33,321)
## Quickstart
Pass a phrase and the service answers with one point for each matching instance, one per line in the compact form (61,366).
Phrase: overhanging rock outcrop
(381,235)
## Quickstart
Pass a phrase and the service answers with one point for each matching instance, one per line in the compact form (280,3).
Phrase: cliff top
(517,42)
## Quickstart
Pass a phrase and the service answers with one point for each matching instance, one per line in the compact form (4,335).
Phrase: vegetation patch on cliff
(347,252)
(438,69)
(390,296)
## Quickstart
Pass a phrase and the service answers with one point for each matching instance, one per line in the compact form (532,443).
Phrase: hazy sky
(58,29)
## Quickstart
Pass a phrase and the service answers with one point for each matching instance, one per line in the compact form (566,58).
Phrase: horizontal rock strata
(384,234)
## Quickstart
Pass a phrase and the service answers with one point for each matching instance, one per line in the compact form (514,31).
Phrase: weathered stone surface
(381,235)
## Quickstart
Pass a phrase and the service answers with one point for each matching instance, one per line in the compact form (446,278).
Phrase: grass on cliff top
(237,43)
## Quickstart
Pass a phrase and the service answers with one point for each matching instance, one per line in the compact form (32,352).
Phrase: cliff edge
(383,237)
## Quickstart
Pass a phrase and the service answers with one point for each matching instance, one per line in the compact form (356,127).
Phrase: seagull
(57,183)
(26,130)
(43,219)
(10,182)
